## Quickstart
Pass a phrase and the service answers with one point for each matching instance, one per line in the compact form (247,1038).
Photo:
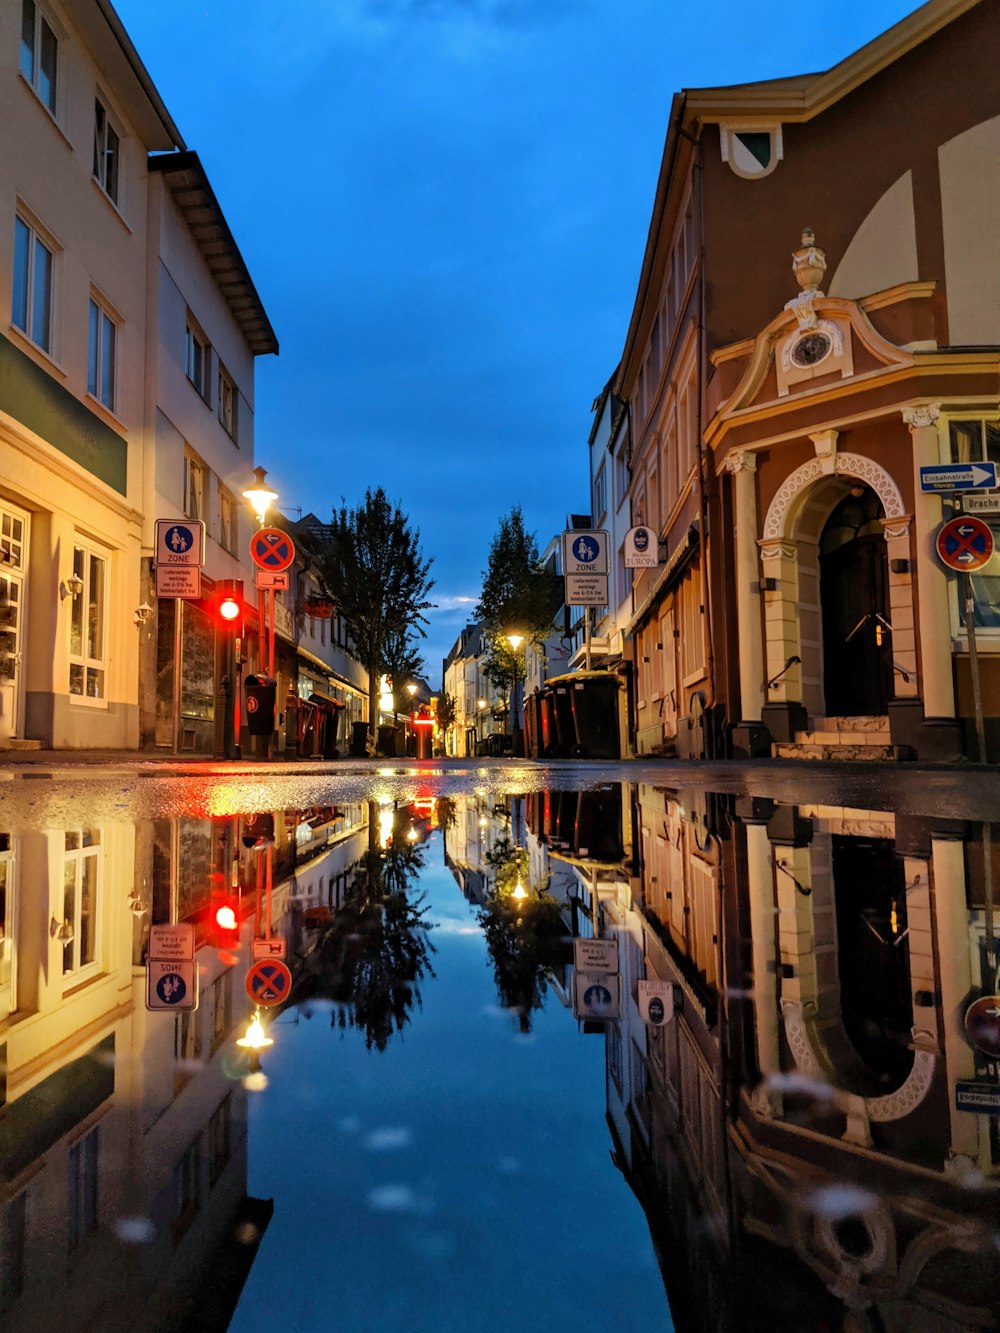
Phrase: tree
(446,710)
(371,564)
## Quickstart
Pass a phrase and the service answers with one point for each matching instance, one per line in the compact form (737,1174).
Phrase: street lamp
(516,735)
(260,495)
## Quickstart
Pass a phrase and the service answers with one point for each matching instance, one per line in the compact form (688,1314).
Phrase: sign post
(171,972)
(180,554)
(585,564)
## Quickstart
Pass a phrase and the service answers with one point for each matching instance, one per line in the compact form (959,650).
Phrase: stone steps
(14,744)
(841,738)
(806,750)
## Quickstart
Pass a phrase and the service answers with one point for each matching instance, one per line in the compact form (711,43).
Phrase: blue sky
(444,204)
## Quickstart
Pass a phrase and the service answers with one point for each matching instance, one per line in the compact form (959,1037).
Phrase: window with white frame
(195,477)
(227,520)
(39,53)
(107,152)
(601,493)
(197,359)
(977,440)
(88,627)
(31,289)
(81,886)
(228,402)
(82,1209)
(102,351)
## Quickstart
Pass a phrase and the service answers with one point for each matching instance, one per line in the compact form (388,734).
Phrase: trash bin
(597,832)
(387,740)
(547,739)
(565,821)
(532,733)
(563,710)
(260,696)
(594,704)
(425,742)
(359,739)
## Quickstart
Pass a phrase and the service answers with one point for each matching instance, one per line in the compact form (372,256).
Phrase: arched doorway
(854,595)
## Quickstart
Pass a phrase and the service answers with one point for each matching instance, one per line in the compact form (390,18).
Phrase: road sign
(981,504)
(272,549)
(277,582)
(180,541)
(959,477)
(642,550)
(977,1095)
(171,942)
(595,955)
(178,581)
(269,982)
(656,1002)
(171,986)
(982,1024)
(585,552)
(586,590)
(964,543)
(597,995)
(268,948)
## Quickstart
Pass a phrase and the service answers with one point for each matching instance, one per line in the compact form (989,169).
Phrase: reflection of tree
(371,956)
(524,936)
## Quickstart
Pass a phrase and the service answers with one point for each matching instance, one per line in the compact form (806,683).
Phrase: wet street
(481,1046)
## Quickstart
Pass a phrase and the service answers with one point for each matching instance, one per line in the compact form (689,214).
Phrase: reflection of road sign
(171,942)
(272,549)
(964,543)
(269,982)
(595,955)
(171,986)
(585,552)
(641,549)
(982,1024)
(656,1002)
(959,477)
(268,948)
(264,579)
(586,589)
(982,1097)
(178,581)
(180,541)
(597,995)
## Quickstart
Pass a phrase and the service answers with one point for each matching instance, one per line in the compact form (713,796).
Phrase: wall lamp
(71,587)
(142,613)
(60,930)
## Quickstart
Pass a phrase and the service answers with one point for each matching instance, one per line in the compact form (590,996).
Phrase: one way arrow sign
(959,477)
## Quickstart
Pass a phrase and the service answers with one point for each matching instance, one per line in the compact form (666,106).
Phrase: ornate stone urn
(809,263)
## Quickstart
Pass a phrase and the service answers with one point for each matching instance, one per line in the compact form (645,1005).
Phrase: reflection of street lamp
(256,1039)
(260,495)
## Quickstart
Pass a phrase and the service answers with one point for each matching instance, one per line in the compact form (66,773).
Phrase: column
(936,682)
(743,465)
(763,931)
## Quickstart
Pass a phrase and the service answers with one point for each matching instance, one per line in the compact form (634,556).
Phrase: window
(194,487)
(977,441)
(601,494)
(31,300)
(228,399)
(82,1210)
(107,153)
(197,359)
(87,635)
(38,53)
(227,521)
(187,1190)
(12,1238)
(81,877)
(102,339)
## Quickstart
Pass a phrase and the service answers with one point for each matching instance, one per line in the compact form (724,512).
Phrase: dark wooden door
(857,641)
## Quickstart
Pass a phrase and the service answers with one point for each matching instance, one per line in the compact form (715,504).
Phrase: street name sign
(959,477)
(964,543)
(167,943)
(979,1096)
(656,1002)
(642,550)
(277,582)
(595,955)
(272,549)
(586,589)
(268,949)
(178,581)
(585,553)
(171,985)
(180,541)
(981,504)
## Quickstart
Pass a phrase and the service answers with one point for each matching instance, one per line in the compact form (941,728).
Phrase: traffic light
(230,604)
(224,917)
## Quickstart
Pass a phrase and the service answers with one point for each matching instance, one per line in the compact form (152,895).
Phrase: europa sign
(642,550)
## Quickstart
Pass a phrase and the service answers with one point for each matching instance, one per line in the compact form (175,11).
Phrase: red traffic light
(226,917)
(229,608)
(230,604)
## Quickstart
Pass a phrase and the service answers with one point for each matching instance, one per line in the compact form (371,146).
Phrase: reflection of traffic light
(224,918)
(230,604)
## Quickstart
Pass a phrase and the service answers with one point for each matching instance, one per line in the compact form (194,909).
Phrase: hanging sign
(642,550)
(272,549)
(656,1002)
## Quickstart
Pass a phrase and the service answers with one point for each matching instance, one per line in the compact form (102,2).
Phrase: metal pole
(586,636)
(178,614)
(970,637)
(270,632)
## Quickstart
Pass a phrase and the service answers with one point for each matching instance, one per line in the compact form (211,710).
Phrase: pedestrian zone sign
(180,541)
(172,985)
(585,552)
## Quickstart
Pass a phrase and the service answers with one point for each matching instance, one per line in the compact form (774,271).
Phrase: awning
(325,700)
(678,560)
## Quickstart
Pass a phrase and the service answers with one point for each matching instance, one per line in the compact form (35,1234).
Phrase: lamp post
(516,734)
(260,497)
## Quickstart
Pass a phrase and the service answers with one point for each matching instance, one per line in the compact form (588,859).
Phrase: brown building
(799,608)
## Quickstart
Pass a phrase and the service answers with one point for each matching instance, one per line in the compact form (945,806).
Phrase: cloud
(454,602)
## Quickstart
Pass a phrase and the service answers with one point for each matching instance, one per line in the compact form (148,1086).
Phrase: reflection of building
(122,1132)
(802,1104)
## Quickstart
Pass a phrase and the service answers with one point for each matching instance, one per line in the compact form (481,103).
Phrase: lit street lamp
(260,496)
(516,734)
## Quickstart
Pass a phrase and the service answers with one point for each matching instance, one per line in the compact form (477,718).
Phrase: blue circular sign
(171,988)
(179,539)
(586,550)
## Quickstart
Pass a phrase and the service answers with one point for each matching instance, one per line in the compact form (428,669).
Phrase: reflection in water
(805,1119)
